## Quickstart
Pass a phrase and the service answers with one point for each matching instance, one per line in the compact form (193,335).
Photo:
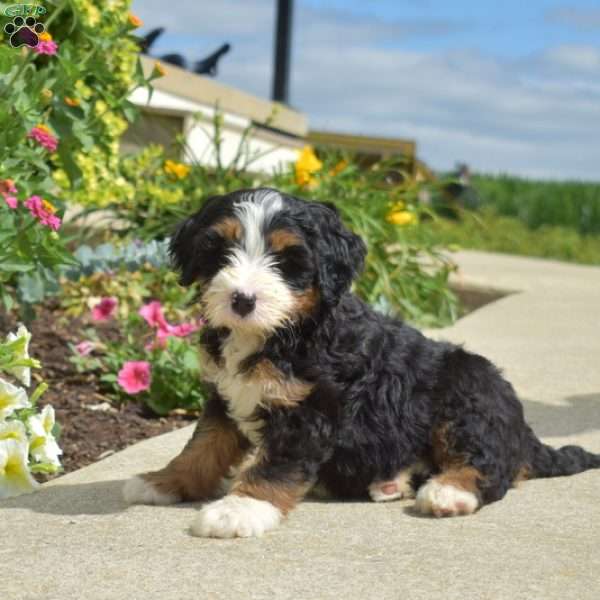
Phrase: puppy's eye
(293,260)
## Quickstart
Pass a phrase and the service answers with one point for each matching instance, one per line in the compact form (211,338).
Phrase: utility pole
(283,45)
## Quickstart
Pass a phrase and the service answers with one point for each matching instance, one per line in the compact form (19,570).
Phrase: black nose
(242,304)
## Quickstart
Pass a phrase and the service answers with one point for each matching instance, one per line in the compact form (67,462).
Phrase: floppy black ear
(340,253)
(194,247)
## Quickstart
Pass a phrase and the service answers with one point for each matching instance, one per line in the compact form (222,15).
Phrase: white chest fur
(242,396)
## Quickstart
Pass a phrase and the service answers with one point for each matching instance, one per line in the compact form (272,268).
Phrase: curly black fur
(383,395)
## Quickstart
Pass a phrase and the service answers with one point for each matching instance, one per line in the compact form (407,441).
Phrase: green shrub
(63,107)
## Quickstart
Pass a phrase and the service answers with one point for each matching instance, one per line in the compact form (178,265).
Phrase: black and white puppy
(311,388)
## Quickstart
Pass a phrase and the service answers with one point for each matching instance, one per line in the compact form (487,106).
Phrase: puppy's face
(265,260)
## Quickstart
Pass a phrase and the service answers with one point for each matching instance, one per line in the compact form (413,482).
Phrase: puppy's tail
(546,461)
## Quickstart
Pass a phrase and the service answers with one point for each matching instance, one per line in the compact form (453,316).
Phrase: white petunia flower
(13,430)
(15,477)
(11,399)
(23,374)
(43,446)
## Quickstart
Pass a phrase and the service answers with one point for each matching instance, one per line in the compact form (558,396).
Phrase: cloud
(577,58)
(532,115)
(584,19)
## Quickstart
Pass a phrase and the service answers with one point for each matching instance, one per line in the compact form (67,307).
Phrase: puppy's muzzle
(242,304)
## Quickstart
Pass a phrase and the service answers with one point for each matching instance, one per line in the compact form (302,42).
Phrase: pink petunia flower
(43,136)
(153,315)
(135,376)
(11,201)
(43,211)
(105,309)
(85,348)
(184,329)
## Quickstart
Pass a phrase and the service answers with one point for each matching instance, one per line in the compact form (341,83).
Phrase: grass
(486,230)
(571,204)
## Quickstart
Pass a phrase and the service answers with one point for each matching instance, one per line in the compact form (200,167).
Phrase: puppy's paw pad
(446,500)
(393,489)
(384,491)
(236,516)
(139,491)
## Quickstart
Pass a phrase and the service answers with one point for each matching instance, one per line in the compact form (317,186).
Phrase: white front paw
(236,516)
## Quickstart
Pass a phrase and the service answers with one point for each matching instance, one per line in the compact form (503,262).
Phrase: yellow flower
(134,21)
(159,69)
(49,206)
(15,477)
(82,89)
(43,128)
(306,165)
(178,170)
(338,168)
(45,37)
(100,107)
(401,217)
(71,101)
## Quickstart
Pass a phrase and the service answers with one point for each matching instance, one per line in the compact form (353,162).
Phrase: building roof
(207,91)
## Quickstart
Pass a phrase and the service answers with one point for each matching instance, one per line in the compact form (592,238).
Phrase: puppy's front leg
(261,495)
(197,473)
(271,481)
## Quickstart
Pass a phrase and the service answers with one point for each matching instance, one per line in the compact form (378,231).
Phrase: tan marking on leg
(197,472)
(465,478)
(284,496)
(280,239)
(279,389)
(229,228)
(306,301)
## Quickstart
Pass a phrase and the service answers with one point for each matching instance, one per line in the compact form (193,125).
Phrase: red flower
(43,211)
(104,309)
(135,376)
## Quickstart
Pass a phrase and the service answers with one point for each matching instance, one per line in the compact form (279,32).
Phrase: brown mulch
(91,427)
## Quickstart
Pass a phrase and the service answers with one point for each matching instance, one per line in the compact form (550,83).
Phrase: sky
(505,86)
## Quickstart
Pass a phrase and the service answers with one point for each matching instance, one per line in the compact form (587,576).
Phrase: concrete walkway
(75,539)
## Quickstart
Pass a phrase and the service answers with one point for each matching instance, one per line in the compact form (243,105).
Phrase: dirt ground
(91,428)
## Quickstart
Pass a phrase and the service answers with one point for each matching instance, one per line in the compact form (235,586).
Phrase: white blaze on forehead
(251,270)
(254,212)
